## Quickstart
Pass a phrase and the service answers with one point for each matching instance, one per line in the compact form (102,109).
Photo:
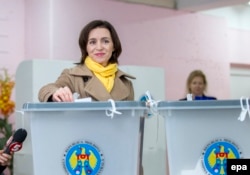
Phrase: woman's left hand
(4,158)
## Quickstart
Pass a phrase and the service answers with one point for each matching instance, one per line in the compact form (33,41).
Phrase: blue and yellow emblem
(216,154)
(83,158)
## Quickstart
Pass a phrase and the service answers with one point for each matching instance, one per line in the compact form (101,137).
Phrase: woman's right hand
(63,95)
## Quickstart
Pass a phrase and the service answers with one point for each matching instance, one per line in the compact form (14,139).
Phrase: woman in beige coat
(97,75)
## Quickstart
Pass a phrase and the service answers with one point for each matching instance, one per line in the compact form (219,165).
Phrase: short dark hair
(84,36)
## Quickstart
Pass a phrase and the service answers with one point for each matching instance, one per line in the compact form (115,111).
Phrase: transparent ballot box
(202,135)
(82,138)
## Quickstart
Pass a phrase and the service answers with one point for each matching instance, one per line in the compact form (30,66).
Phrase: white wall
(237,16)
(240,81)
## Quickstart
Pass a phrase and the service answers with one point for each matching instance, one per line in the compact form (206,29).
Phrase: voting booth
(83,138)
(201,135)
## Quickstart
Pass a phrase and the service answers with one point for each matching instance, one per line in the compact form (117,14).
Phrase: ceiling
(190,5)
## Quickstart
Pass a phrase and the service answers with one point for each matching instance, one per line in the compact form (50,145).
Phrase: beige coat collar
(95,88)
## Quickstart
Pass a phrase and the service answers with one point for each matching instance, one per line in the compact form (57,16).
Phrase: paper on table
(88,99)
(76,95)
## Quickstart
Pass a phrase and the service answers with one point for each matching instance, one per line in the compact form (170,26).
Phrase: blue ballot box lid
(201,104)
(95,105)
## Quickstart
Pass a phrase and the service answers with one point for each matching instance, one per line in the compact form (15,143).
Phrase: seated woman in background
(197,85)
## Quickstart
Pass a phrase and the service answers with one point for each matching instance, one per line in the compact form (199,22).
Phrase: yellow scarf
(105,74)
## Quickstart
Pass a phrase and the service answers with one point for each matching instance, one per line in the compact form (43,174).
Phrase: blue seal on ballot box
(216,154)
(83,158)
